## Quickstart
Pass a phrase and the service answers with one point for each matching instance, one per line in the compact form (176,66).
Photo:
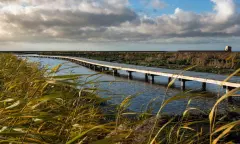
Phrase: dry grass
(215,62)
(36,106)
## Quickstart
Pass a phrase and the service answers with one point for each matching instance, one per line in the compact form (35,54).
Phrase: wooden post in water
(185,77)
(230,98)
(115,72)
(204,86)
(183,84)
(152,80)
(103,69)
(130,75)
(169,80)
(146,77)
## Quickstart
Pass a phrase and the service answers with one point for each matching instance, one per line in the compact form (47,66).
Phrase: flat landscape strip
(145,70)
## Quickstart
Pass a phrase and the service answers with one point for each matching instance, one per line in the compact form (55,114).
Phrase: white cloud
(91,6)
(110,20)
(225,9)
(158,4)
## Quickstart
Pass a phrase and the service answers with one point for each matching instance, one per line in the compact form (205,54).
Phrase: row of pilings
(148,77)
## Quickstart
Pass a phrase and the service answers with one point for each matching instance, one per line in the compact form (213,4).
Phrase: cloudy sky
(119,24)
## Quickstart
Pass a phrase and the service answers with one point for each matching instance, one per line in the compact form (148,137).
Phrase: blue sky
(197,6)
(119,24)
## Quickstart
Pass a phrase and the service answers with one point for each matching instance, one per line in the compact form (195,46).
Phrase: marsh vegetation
(37,105)
(212,62)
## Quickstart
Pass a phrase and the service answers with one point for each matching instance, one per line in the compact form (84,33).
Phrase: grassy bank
(212,62)
(38,106)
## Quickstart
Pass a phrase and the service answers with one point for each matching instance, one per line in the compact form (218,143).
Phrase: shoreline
(210,62)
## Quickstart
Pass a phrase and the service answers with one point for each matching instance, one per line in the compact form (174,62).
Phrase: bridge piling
(169,79)
(230,98)
(153,79)
(228,89)
(97,68)
(115,72)
(146,77)
(183,78)
(103,69)
(130,75)
(92,67)
(204,86)
(183,84)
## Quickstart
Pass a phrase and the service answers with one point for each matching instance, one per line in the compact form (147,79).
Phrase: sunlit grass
(38,106)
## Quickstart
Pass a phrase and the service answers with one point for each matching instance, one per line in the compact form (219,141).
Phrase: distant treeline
(215,62)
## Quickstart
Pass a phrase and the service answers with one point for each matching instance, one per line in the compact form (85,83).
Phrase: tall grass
(38,106)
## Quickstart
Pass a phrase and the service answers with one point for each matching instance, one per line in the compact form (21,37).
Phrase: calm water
(120,87)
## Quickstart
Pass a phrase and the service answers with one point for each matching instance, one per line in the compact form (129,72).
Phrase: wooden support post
(228,89)
(94,67)
(115,72)
(100,68)
(230,98)
(183,84)
(152,80)
(146,77)
(129,74)
(204,86)
(103,69)
(169,80)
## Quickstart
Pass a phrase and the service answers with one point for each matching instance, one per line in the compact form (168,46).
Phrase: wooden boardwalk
(185,76)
